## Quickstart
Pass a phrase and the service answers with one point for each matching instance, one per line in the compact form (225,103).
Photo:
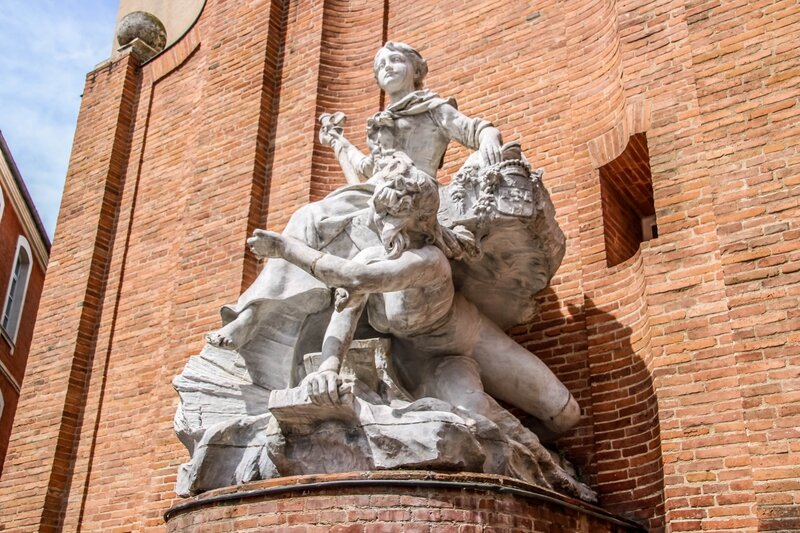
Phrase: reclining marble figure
(446,333)
(406,287)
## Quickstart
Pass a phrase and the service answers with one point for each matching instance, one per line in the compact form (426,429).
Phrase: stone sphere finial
(144,26)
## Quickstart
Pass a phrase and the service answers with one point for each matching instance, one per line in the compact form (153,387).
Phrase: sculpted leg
(234,334)
(514,375)
(456,380)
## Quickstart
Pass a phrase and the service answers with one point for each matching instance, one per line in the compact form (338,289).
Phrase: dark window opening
(626,189)
(16,293)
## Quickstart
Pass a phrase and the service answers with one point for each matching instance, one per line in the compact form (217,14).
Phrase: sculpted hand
(265,243)
(341,298)
(331,129)
(490,147)
(327,136)
(323,387)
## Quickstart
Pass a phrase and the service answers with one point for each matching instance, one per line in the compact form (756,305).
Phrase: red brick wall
(622,227)
(684,357)
(15,357)
(423,504)
(745,62)
(52,399)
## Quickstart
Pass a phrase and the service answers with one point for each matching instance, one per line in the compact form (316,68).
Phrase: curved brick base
(390,501)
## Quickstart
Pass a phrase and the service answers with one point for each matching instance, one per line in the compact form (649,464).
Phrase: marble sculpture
(373,338)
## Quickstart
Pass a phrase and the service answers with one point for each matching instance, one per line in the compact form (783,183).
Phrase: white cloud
(48,47)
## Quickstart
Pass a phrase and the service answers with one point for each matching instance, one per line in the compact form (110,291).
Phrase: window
(626,189)
(2,204)
(17,287)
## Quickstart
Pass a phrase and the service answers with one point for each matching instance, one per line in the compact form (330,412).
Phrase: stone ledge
(475,498)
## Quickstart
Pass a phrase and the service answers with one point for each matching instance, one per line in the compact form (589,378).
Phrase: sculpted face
(394,71)
(392,223)
(404,205)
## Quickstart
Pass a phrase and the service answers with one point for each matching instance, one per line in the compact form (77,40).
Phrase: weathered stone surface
(437,272)
(509,205)
(143,26)
(176,15)
(372,428)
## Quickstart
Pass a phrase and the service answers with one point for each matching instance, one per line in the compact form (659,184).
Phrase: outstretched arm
(355,165)
(408,270)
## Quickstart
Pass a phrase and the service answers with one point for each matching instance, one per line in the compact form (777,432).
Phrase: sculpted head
(405,205)
(398,63)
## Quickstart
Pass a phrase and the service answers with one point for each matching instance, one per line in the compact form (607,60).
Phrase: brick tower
(669,137)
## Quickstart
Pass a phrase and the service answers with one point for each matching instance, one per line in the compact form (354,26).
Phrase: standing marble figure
(418,123)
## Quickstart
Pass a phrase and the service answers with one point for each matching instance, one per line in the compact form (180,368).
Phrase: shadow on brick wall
(603,361)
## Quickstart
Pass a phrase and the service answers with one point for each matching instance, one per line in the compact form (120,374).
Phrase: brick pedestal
(364,502)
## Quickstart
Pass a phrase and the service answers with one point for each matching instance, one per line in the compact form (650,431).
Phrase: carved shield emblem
(515,192)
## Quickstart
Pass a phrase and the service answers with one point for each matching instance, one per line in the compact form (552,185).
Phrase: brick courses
(684,357)
(424,503)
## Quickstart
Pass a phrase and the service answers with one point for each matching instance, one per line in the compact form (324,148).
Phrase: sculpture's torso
(419,136)
(421,125)
(415,310)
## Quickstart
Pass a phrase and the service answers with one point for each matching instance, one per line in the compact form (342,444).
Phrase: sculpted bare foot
(233,335)
(218,339)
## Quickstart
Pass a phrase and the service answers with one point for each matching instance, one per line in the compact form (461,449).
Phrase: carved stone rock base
(375,426)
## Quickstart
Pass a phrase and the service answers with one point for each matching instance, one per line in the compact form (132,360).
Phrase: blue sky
(48,48)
